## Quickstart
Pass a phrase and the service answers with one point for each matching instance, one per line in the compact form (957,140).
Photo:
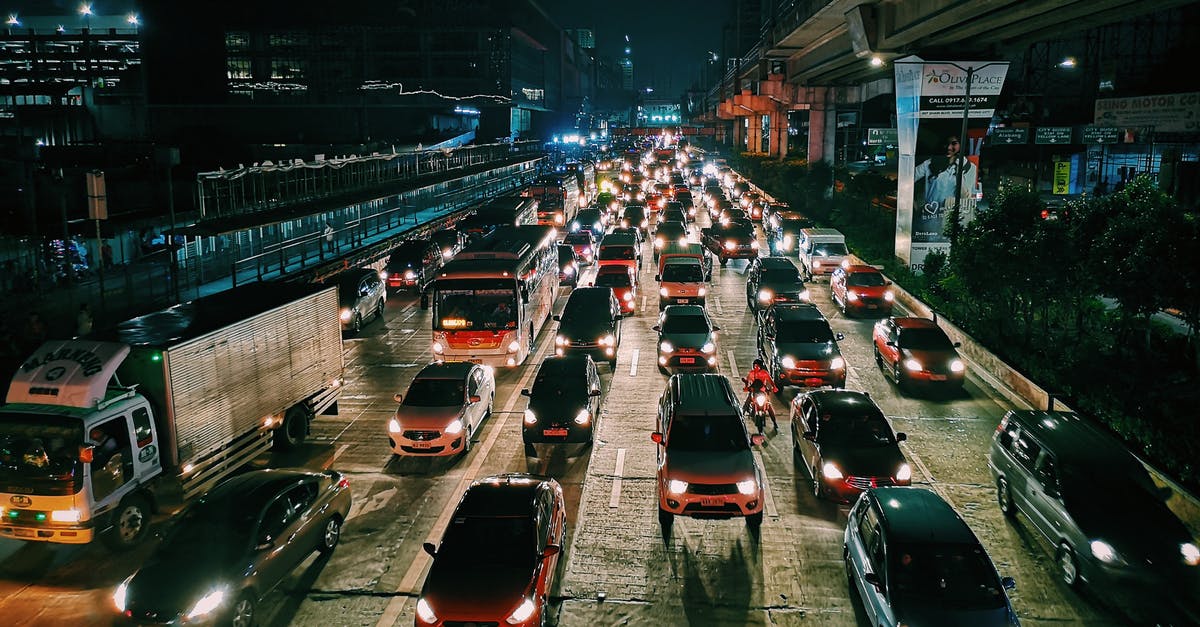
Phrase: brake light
(343,482)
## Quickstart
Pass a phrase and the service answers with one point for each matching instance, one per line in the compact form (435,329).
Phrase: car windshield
(491,540)
(617,252)
(614,279)
(685,324)
(558,384)
(474,304)
(39,446)
(634,214)
(865,279)
(707,434)
(682,273)
(803,332)
(925,340)
(578,238)
(781,275)
(856,431)
(435,393)
(958,576)
(830,249)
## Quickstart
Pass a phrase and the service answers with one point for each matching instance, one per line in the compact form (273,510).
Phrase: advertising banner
(1062,177)
(1167,113)
(938,168)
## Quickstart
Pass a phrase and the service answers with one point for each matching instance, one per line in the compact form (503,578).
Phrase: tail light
(343,482)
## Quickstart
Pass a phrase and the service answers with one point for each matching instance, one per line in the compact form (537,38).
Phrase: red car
(861,289)
(917,351)
(623,281)
(498,559)
(584,244)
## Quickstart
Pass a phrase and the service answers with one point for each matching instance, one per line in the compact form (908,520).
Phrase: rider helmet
(758,363)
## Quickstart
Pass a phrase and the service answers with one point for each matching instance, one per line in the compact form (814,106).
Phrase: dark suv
(591,324)
(799,348)
(773,280)
(414,264)
(564,402)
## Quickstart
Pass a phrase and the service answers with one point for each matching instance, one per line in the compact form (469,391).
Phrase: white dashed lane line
(614,501)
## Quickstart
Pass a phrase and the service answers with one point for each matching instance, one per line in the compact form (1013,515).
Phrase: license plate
(681,300)
(421,444)
(687,360)
(937,377)
(475,361)
(553,433)
(712,502)
(872,306)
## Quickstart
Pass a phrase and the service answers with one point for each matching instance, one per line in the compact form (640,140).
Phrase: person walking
(329,237)
(83,321)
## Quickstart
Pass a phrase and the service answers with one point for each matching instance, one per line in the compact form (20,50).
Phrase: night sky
(669,38)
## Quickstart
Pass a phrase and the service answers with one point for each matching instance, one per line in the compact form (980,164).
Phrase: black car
(668,233)
(637,234)
(234,544)
(734,241)
(636,216)
(590,219)
(449,242)
(674,215)
(568,265)
(799,348)
(773,281)
(414,263)
(590,324)
(564,402)
(846,443)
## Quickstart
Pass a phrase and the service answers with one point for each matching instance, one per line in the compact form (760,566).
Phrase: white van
(821,250)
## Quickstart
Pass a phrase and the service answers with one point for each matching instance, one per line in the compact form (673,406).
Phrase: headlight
(708,347)
(394,426)
(447,253)
(560,340)
(683,241)
(574,226)
(608,340)
(568,269)
(121,593)
(455,427)
(425,613)
(831,471)
(912,364)
(410,275)
(628,296)
(522,613)
(837,363)
(558,219)
(765,296)
(787,242)
(383,275)
(662,291)
(904,473)
(437,347)
(583,417)
(665,347)
(645,223)
(1104,552)
(1190,553)
(957,366)
(754,244)
(530,417)
(207,603)
(65,515)
(676,486)
(747,487)
(514,346)
(851,296)
(788,362)
(702,291)
(816,263)
(845,263)
(889,297)
(729,245)
(805,296)
(345,315)
(658,242)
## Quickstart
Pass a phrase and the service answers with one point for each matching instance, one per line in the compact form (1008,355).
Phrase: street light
(85,9)
(12,21)
(133,20)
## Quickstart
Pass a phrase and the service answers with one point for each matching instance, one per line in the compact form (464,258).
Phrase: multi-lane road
(618,568)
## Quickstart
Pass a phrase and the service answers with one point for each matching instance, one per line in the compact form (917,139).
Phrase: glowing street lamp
(133,20)
(85,10)
(12,21)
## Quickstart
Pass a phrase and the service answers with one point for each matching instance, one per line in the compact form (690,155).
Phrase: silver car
(361,295)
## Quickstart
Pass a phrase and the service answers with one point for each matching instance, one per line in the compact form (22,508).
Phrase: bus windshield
(475,304)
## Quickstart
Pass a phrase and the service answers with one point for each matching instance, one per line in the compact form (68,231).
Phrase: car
(636,216)
(498,558)
(590,323)
(730,242)
(917,351)
(564,402)
(624,284)
(674,214)
(729,215)
(718,208)
(681,282)
(449,242)
(233,545)
(783,228)
(687,339)
(914,561)
(669,232)
(773,281)
(798,347)
(1103,516)
(636,233)
(568,265)
(861,289)
(590,220)
(706,468)
(620,249)
(445,405)
(842,438)
(414,263)
(584,243)
(361,295)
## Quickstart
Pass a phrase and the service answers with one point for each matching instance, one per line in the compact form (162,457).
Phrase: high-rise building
(585,37)
(627,73)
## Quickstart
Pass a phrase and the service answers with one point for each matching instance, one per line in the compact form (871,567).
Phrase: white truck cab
(821,250)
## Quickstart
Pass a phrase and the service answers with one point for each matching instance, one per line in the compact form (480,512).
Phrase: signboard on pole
(1100,134)
(1009,136)
(1052,135)
(881,137)
(1062,177)
(944,87)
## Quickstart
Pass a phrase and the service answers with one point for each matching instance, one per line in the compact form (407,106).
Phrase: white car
(443,409)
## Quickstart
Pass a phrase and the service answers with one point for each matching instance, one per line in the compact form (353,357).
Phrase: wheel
(242,613)
(1068,569)
(467,440)
(754,521)
(357,323)
(1004,498)
(293,431)
(896,373)
(330,535)
(724,262)
(379,309)
(612,363)
(818,484)
(665,518)
(491,405)
(130,523)
(878,358)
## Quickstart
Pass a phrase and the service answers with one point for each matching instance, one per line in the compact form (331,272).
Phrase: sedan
(564,402)
(623,281)
(498,559)
(861,289)
(233,545)
(687,339)
(669,233)
(361,295)
(584,243)
(917,351)
(591,220)
(444,407)
(846,444)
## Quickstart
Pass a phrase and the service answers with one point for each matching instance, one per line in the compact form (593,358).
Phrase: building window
(237,41)
(238,68)
(287,68)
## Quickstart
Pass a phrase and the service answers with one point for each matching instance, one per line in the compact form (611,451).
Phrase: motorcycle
(760,406)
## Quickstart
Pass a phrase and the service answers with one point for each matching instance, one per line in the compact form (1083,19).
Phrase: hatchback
(361,295)
(798,347)
(584,243)
(773,281)
(590,324)
(914,561)
(917,351)
(861,289)
(623,281)
(687,339)
(234,545)
(846,444)
(498,559)
(564,402)
(445,405)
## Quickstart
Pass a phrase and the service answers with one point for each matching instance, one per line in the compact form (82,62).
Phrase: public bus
(491,300)
(558,197)
(509,210)
(585,179)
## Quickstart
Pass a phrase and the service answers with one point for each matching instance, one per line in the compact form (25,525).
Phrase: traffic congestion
(640,391)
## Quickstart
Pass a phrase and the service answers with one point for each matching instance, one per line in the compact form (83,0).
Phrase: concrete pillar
(830,150)
(779,135)
(754,143)
(816,133)
(739,134)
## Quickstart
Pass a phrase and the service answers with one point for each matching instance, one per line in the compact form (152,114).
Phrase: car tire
(754,521)
(379,309)
(357,327)
(818,484)
(665,518)
(878,357)
(467,433)
(1068,567)
(897,375)
(1004,498)
(330,535)
(242,612)
(130,524)
(491,405)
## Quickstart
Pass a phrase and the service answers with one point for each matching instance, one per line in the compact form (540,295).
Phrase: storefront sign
(1167,113)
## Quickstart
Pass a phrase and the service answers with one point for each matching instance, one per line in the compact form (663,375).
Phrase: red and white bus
(558,198)
(491,300)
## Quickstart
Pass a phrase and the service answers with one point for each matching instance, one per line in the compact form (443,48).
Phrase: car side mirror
(658,277)
(398,397)
(430,549)
(811,436)
(887,282)
(839,336)
(891,343)
(557,318)
(957,344)
(874,580)
(716,328)
(474,398)
(551,550)
(656,328)
(758,439)
(902,436)
(1009,583)
(656,437)
(525,392)
(594,393)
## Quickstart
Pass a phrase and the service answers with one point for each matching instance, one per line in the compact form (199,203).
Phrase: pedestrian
(106,255)
(329,236)
(83,321)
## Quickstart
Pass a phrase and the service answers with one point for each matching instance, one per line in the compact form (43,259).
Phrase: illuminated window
(238,68)
(237,41)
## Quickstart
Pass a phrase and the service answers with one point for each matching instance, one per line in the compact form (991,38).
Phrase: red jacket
(759,376)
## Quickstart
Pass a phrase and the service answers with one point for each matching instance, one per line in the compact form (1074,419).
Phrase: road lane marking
(717,308)
(633,363)
(768,498)
(420,564)
(733,370)
(336,454)
(614,501)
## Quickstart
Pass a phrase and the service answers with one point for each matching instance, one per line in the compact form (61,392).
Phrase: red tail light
(343,482)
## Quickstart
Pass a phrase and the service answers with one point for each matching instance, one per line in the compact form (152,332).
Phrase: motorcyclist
(759,380)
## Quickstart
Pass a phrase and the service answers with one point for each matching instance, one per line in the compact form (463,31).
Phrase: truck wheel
(130,523)
(293,430)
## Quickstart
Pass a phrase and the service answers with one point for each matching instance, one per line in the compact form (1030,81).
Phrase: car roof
(915,323)
(446,370)
(797,311)
(847,401)
(504,495)
(703,393)
(619,239)
(249,491)
(1071,439)
(614,269)
(591,293)
(564,364)
(352,277)
(861,268)
(917,515)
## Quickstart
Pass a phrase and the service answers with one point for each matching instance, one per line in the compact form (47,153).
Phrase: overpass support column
(822,130)
(755,134)
(739,134)
(779,135)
